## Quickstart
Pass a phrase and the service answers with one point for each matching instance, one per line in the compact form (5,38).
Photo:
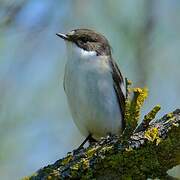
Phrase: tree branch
(148,153)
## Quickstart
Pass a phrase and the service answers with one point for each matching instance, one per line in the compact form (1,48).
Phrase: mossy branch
(150,150)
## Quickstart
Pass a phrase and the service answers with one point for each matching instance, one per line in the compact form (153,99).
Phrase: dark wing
(118,84)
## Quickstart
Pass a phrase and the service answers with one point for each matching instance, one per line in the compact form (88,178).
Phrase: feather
(118,85)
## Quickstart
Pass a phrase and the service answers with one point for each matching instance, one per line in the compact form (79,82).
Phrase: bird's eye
(83,39)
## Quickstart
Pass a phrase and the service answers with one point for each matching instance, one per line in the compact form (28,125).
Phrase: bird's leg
(84,142)
(91,140)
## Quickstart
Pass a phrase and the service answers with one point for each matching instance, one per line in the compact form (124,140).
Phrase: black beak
(63,36)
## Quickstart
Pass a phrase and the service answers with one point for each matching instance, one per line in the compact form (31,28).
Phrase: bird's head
(88,40)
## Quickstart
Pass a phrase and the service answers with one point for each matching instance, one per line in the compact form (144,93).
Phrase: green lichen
(30,177)
(75,167)
(106,149)
(78,169)
(152,114)
(147,162)
(147,119)
(66,160)
(128,101)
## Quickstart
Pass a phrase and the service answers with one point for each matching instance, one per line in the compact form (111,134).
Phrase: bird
(93,84)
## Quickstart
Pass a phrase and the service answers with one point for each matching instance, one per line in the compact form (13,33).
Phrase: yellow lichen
(158,140)
(85,163)
(127,109)
(106,149)
(175,124)
(49,177)
(129,149)
(26,178)
(133,109)
(153,135)
(55,173)
(75,167)
(29,177)
(91,152)
(139,97)
(170,115)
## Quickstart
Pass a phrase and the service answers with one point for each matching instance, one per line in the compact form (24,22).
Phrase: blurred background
(36,127)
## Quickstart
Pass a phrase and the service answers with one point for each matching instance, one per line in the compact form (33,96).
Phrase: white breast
(90,93)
